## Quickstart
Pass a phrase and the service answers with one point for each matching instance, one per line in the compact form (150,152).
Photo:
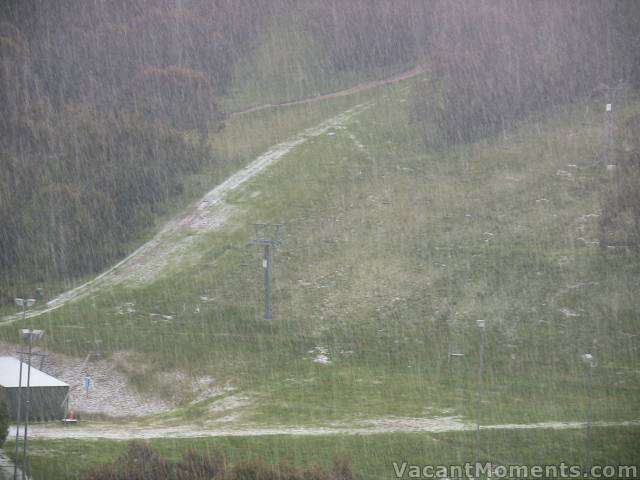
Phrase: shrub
(342,469)
(140,462)
(257,470)
(196,466)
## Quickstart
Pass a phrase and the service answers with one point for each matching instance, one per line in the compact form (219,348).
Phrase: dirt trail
(361,87)
(389,425)
(210,213)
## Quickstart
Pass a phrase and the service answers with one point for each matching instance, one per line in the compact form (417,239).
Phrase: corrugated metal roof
(10,371)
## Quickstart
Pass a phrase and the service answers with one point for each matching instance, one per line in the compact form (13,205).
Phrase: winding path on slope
(211,212)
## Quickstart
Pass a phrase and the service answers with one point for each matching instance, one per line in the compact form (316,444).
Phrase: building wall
(46,402)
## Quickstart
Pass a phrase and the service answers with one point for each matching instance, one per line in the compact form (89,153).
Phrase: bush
(4,422)
(140,462)
(195,466)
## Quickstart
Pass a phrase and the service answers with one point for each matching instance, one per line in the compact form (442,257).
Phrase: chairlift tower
(266,236)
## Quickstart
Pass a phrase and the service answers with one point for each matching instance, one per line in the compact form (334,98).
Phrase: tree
(4,422)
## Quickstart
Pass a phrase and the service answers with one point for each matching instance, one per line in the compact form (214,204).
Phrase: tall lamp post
(30,335)
(24,303)
(481,324)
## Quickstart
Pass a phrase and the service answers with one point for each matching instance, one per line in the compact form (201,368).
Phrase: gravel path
(385,425)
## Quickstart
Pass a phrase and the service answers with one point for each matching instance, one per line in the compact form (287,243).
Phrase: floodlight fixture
(30,334)
(25,302)
(589,360)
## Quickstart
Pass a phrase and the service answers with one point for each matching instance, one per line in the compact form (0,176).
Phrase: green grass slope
(392,250)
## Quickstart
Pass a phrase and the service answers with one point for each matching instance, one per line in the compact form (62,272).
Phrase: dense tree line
(97,97)
(496,61)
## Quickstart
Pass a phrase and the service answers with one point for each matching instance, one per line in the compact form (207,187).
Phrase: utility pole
(25,466)
(481,326)
(15,465)
(266,236)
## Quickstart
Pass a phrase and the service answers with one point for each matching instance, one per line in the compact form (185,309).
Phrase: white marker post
(611,164)
(88,383)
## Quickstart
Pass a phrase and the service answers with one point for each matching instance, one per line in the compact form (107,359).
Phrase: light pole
(590,363)
(481,324)
(24,303)
(30,335)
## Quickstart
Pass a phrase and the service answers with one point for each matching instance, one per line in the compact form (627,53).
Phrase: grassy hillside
(392,250)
